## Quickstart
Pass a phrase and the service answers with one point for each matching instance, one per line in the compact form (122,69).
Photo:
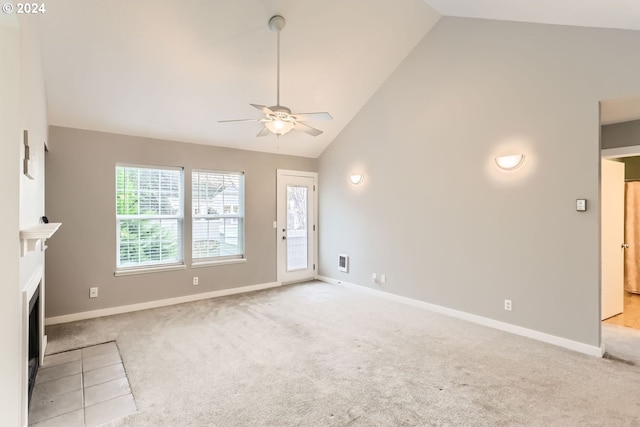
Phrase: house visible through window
(218,215)
(149,212)
(228,209)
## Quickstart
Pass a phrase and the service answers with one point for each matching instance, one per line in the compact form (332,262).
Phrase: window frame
(178,264)
(241,216)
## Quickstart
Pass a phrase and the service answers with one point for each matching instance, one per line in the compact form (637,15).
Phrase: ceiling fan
(278,119)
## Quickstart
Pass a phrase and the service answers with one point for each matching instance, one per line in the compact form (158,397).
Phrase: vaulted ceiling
(171,69)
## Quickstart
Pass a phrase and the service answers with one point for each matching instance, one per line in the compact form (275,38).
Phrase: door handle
(284,237)
(624,246)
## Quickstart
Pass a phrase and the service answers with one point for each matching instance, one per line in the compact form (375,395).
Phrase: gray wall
(435,214)
(625,134)
(621,134)
(631,167)
(80,193)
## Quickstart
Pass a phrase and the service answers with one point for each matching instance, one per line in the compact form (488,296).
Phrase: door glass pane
(297,224)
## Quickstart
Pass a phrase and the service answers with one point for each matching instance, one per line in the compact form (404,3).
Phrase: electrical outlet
(374,278)
(383,278)
(507,304)
(195,280)
(93,292)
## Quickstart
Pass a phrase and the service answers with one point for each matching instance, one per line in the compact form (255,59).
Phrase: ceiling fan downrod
(277,23)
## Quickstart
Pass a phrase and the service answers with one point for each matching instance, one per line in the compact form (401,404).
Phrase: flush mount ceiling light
(279,120)
(510,162)
(356,178)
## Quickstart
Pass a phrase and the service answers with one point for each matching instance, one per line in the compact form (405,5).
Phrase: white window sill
(145,270)
(202,264)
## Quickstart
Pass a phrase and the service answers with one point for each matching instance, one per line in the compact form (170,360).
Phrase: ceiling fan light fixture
(279,127)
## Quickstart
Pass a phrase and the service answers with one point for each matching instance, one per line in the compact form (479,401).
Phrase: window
(218,215)
(149,210)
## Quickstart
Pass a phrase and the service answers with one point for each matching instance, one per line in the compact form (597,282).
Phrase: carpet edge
(66,318)
(473,318)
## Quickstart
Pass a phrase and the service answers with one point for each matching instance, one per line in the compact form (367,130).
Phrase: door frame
(280,174)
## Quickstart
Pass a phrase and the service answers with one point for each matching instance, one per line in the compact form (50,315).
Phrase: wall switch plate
(507,304)
(374,278)
(93,292)
(195,280)
(383,278)
(275,224)
(581,205)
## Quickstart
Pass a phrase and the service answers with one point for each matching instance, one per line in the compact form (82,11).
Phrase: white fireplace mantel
(29,237)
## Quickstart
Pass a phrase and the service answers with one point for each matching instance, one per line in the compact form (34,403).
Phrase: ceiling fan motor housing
(280,110)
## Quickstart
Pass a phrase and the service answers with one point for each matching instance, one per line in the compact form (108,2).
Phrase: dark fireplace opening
(34,339)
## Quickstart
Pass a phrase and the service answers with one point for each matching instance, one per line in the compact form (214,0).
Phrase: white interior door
(296,225)
(612,238)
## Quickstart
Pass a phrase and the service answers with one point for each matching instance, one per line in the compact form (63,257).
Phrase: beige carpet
(322,355)
(622,343)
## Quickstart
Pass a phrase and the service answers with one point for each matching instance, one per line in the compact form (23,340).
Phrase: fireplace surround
(34,341)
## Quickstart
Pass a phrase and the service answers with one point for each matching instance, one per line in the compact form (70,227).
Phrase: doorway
(628,313)
(619,125)
(296,213)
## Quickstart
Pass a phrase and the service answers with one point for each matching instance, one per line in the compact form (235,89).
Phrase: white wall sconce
(357,178)
(510,162)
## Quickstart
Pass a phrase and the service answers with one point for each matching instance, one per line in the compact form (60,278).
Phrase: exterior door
(296,225)
(612,238)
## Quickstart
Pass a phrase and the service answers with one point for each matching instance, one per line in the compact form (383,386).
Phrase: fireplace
(33,294)
(34,339)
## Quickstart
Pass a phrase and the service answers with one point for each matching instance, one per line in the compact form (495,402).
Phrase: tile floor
(84,388)
(630,317)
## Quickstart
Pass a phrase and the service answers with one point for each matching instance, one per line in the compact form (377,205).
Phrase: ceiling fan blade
(239,120)
(303,117)
(263,132)
(262,108)
(306,129)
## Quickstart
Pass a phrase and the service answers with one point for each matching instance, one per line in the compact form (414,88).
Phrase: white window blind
(149,211)
(218,215)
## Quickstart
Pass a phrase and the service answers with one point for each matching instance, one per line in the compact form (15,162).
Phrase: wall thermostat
(581,205)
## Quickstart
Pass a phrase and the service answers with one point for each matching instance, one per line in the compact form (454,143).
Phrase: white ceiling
(621,14)
(171,69)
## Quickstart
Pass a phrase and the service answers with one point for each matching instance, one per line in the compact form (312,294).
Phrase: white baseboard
(155,304)
(496,324)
